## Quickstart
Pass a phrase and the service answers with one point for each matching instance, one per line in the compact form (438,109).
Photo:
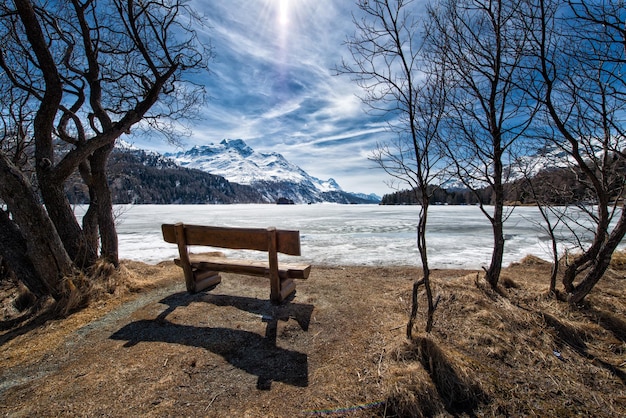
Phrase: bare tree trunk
(423,250)
(90,218)
(590,256)
(13,251)
(72,111)
(414,306)
(497,224)
(425,280)
(495,268)
(43,247)
(555,257)
(549,228)
(601,262)
(386,49)
(61,214)
(104,204)
(583,97)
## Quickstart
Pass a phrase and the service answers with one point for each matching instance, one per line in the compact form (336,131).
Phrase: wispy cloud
(272,84)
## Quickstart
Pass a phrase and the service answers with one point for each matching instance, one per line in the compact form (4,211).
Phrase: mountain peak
(270,173)
(238,145)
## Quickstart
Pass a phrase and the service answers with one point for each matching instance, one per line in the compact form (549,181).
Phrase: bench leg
(205,279)
(287,287)
(275,285)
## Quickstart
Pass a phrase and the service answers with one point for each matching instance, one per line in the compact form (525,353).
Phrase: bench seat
(247,267)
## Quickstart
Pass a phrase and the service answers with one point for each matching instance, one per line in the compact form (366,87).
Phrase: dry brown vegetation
(146,347)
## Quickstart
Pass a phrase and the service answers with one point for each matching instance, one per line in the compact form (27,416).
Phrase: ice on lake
(332,234)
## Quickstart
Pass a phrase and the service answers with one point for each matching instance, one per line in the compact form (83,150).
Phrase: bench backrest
(287,242)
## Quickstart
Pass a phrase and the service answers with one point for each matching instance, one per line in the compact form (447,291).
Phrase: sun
(283,12)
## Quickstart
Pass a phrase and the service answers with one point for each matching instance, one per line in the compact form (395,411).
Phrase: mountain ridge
(269,173)
(138,176)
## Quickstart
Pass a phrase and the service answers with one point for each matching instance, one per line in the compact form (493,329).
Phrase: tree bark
(104,204)
(423,250)
(497,223)
(593,253)
(90,218)
(414,306)
(67,226)
(601,262)
(13,249)
(495,268)
(44,247)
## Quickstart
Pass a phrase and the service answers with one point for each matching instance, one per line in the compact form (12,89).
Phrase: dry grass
(517,352)
(618,261)
(145,347)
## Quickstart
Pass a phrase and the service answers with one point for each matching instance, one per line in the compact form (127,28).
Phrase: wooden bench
(202,272)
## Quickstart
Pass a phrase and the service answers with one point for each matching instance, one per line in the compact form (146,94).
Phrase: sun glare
(283,12)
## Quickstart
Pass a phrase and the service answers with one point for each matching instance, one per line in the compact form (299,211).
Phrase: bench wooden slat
(287,242)
(249,267)
(202,271)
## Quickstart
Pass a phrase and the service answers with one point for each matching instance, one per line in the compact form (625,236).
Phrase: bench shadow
(269,312)
(255,354)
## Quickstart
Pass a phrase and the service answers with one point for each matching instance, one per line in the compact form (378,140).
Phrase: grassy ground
(146,347)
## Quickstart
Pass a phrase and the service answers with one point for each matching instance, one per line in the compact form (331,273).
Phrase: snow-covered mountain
(269,173)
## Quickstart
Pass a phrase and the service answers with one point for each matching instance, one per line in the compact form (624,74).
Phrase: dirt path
(53,361)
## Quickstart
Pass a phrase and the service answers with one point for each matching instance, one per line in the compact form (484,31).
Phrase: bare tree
(87,71)
(579,46)
(537,188)
(483,44)
(388,65)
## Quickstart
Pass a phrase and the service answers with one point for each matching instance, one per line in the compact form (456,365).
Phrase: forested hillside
(146,178)
(554,186)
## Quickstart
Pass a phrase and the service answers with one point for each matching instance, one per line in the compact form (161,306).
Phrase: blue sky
(272,84)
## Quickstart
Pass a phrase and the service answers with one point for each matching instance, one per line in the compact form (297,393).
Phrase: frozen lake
(458,236)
